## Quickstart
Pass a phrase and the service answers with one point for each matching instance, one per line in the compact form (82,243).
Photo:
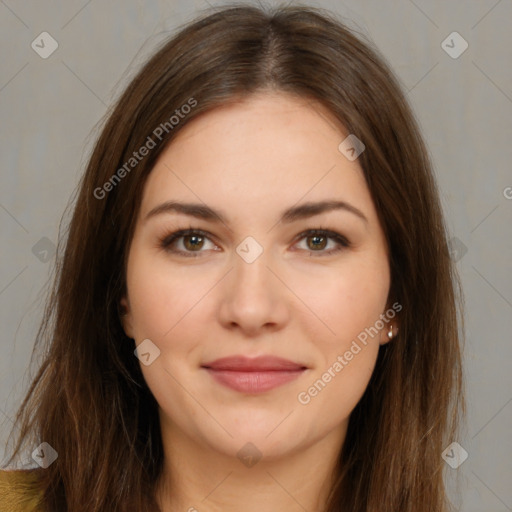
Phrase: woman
(256,307)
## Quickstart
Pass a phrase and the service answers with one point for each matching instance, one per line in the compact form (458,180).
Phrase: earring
(390,332)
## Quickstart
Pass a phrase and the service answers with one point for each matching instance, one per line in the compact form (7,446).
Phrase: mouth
(253,375)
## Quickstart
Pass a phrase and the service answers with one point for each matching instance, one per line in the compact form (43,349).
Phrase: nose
(253,298)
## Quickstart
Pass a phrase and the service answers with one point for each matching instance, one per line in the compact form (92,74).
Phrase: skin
(251,160)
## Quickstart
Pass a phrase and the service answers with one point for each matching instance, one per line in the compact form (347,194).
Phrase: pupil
(315,239)
(193,241)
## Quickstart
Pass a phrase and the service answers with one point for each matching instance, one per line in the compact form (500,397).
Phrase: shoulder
(19,490)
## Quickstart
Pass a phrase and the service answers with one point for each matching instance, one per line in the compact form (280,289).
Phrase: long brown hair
(89,400)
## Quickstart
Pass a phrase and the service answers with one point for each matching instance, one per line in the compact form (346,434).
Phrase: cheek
(349,305)
(333,393)
(165,307)
(346,359)
(347,300)
(161,298)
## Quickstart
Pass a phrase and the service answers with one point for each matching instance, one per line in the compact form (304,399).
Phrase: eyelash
(169,239)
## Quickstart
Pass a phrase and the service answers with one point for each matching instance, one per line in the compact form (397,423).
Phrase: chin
(256,439)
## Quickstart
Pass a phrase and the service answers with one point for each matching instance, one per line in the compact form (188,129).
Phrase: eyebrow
(294,213)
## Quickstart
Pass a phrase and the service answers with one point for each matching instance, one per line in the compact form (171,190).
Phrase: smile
(255,375)
(254,382)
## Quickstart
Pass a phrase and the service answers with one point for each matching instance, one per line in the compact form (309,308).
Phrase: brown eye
(187,242)
(317,242)
(193,242)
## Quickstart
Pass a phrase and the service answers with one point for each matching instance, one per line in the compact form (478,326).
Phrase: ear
(390,330)
(125,315)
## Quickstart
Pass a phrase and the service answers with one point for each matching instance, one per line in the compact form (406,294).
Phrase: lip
(253,364)
(253,375)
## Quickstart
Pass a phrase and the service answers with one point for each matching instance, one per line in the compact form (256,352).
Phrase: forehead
(257,155)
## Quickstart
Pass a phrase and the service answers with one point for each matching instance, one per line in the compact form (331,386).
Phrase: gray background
(49,108)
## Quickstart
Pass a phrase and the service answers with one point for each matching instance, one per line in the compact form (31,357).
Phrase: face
(253,278)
